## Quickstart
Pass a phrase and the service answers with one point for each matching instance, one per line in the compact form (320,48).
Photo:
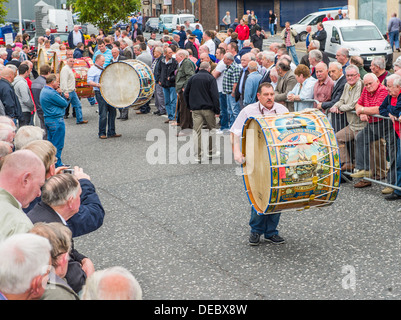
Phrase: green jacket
(12,219)
(185,71)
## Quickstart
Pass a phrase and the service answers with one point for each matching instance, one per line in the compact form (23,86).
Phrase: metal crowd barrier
(381,153)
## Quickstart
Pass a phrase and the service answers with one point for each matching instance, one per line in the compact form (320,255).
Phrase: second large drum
(127,83)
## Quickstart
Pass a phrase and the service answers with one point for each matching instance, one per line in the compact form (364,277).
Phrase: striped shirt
(374,99)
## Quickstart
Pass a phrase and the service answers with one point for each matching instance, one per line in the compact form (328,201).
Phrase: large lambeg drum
(47,57)
(292,161)
(127,83)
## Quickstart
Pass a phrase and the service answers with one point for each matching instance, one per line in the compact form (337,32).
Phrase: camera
(69,171)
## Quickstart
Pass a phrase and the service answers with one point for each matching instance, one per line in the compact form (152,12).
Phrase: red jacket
(243,32)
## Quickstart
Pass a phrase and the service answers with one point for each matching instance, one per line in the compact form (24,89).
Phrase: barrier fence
(372,146)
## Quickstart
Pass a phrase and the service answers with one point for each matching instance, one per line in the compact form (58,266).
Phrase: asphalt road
(182,229)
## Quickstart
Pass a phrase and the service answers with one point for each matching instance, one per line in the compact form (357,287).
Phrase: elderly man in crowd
(185,70)
(21,177)
(342,56)
(285,84)
(115,283)
(23,93)
(391,107)
(166,70)
(252,83)
(350,96)
(159,95)
(240,88)
(31,253)
(60,201)
(373,95)
(202,97)
(230,81)
(378,67)
(37,86)
(324,86)
(268,59)
(218,73)
(59,237)
(315,56)
(12,107)
(338,120)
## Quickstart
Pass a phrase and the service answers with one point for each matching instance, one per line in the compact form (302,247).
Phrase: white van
(61,20)
(312,20)
(179,19)
(360,37)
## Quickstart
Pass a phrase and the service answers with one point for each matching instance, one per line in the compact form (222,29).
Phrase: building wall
(27,8)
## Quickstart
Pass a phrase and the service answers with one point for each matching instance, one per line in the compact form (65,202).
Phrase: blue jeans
(294,54)
(240,44)
(264,224)
(76,104)
(92,101)
(170,101)
(233,108)
(398,165)
(224,123)
(107,117)
(394,37)
(56,134)
(271,28)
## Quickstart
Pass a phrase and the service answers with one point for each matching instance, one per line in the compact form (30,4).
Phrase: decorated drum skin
(47,57)
(292,161)
(80,70)
(127,83)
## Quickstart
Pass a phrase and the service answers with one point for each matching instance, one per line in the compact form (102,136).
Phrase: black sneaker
(275,239)
(254,239)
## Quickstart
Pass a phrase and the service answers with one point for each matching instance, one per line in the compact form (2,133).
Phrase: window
(360,33)
(335,34)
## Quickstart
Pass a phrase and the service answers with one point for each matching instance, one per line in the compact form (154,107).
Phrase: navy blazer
(386,108)
(75,276)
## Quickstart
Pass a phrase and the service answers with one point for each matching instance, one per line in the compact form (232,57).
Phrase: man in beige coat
(285,83)
(349,98)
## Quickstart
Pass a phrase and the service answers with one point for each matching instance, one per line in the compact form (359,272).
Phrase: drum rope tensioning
(292,161)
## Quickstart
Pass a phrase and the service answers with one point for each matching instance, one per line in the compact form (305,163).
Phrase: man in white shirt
(260,224)
(67,86)
(207,36)
(218,73)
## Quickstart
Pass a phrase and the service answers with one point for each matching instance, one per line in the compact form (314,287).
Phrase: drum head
(124,93)
(257,167)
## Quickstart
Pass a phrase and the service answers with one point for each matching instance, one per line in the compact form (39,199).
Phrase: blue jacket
(251,87)
(386,108)
(52,103)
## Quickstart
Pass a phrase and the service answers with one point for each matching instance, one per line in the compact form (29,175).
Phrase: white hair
(370,75)
(27,134)
(24,256)
(337,65)
(94,289)
(379,62)
(268,55)
(352,67)
(316,54)
(396,80)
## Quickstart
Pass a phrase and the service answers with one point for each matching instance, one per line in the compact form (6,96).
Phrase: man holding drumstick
(260,224)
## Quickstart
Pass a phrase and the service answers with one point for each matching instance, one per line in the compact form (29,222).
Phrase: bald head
(22,175)
(8,74)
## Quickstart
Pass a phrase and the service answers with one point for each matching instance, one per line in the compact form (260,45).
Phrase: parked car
(360,37)
(152,24)
(312,20)
(165,21)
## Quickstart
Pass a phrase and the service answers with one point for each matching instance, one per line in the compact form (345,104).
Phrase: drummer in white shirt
(260,224)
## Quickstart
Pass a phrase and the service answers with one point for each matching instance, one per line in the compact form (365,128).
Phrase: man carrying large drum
(260,224)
